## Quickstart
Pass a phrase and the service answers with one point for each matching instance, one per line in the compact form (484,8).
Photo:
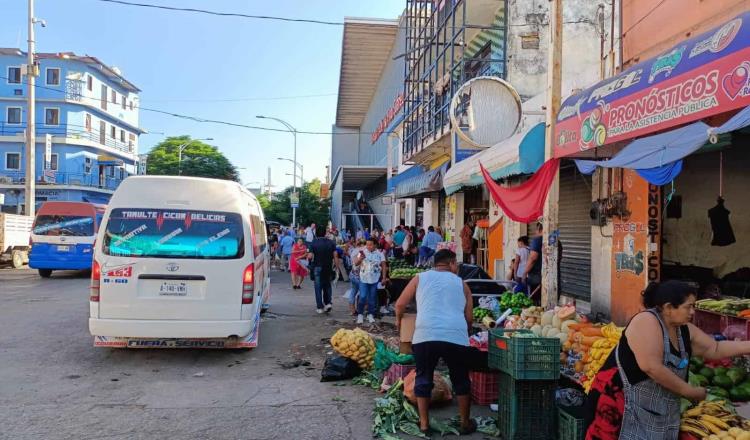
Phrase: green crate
(526,409)
(524,358)
(570,425)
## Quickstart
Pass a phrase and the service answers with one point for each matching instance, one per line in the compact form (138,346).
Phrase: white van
(179,262)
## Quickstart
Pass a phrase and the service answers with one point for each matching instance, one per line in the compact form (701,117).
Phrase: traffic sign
(294,199)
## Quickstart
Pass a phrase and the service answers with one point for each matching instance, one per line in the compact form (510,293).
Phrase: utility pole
(31,72)
(554,85)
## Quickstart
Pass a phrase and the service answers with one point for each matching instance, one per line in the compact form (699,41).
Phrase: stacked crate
(529,368)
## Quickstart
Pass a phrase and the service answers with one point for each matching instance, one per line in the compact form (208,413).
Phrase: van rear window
(64,225)
(172,233)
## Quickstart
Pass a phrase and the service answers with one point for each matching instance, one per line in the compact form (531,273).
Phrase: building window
(13,116)
(122,136)
(87,165)
(102,132)
(104,97)
(113,132)
(131,105)
(124,103)
(111,171)
(122,173)
(114,96)
(88,122)
(51,116)
(131,142)
(90,83)
(53,162)
(53,76)
(14,75)
(12,161)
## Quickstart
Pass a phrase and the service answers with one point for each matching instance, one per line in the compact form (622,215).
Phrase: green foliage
(198,159)
(312,209)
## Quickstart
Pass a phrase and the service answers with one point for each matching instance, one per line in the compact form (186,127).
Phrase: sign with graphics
(704,76)
(294,199)
(398,104)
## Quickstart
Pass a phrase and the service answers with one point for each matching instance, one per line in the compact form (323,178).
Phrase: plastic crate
(526,408)
(709,322)
(524,358)
(734,328)
(484,387)
(570,426)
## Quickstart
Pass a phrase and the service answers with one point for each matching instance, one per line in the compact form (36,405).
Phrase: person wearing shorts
(441,331)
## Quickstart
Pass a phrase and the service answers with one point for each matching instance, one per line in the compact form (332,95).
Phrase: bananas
(713,420)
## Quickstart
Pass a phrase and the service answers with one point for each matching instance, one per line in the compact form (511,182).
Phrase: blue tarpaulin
(658,158)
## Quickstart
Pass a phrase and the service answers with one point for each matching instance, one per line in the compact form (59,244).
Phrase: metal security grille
(575,234)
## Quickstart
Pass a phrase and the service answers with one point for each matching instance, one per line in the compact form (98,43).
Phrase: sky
(183,60)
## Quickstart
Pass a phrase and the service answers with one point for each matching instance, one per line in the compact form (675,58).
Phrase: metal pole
(550,223)
(294,178)
(30,195)
(179,160)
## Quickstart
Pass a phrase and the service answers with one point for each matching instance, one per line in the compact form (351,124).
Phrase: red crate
(398,371)
(709,322)
(484,387)
(734,328)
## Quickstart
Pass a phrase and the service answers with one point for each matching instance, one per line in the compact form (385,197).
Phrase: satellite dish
(485,110)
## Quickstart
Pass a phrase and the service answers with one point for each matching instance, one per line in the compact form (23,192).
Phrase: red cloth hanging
(524,203)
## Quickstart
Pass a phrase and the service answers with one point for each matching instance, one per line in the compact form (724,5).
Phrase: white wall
(688,239)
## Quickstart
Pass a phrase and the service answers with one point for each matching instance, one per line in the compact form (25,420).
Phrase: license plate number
(173,289)
(63,248)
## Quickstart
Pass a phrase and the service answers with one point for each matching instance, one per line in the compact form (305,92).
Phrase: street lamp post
(297,164)
(181,148)
(294,178)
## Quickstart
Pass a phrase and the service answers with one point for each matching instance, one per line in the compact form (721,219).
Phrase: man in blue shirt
(286,244)
(429,246)
(398,241)
(533,271)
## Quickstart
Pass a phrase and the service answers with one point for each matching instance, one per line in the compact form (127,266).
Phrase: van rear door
(172,264)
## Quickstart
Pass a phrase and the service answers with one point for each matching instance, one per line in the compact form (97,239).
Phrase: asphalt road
(55,385)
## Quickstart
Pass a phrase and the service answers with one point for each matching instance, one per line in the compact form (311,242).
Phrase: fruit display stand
(728,316)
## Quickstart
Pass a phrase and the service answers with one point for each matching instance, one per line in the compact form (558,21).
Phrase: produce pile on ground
(727,305)
(398,263)
(398,268)
(480,313)
(516,301)
(724,378)
(586,349)
(714,420)
(356,345)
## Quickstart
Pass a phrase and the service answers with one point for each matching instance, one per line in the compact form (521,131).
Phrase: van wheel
(17,259)
(45,273)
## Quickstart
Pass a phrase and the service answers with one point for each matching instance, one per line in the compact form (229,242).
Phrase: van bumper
(133,328)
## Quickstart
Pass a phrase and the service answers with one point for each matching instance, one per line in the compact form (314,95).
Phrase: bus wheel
(45,273)
(17,259)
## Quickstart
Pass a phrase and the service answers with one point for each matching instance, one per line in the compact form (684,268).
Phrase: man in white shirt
(520,263)
(310,234)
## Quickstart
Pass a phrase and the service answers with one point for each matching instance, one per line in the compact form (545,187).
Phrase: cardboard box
(407,326)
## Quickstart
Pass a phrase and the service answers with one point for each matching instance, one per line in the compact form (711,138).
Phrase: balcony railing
(92,180)
(74,132)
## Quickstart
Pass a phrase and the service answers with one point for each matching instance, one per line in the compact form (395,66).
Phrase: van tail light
(96,275)
(248,284)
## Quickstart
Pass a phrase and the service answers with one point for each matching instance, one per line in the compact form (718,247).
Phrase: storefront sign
(704,76)
(654,233)
(389,116)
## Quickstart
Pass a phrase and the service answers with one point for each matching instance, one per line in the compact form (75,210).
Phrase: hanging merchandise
(723,235)
(524,203)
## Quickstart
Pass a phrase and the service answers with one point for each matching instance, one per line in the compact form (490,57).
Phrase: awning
(700,77)
(414,171)
(522,153)
(429,181)
(357,177)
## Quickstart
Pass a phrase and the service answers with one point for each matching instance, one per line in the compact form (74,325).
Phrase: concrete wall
(650,33)
(344,147)
(527,67)
(688,239)
(601,253)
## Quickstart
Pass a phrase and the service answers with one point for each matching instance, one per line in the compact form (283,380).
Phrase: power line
(273,98)
(204,120)
(225,14)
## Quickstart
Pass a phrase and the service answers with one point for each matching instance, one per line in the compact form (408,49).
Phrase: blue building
(91,113)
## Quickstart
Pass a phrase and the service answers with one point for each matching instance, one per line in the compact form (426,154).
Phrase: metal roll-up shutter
(575,234)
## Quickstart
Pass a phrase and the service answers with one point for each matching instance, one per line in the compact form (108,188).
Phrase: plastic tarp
(524,203)
(429,181)
(522,153)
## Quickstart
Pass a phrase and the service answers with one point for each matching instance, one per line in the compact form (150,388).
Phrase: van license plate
(173,289)
(63,248)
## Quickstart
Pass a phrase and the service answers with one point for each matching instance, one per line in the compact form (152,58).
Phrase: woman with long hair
(298,263)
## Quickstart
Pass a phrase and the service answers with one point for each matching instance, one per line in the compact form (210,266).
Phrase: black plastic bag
(339,368)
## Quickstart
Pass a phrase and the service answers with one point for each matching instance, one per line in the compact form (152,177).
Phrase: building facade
(89,110)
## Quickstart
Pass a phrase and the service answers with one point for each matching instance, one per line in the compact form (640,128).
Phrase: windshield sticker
(62,225)
(131,234)
(213,238)
(170,236)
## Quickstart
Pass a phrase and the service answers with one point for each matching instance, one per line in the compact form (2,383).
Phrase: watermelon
(706,372)
(722,380)
(736,374)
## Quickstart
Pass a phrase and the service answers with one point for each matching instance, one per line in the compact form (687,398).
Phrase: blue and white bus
(63,236)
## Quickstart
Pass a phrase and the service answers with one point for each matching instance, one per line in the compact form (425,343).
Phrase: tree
(312,209)
(198,159)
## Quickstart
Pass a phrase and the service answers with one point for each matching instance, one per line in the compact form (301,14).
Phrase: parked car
(179,262)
